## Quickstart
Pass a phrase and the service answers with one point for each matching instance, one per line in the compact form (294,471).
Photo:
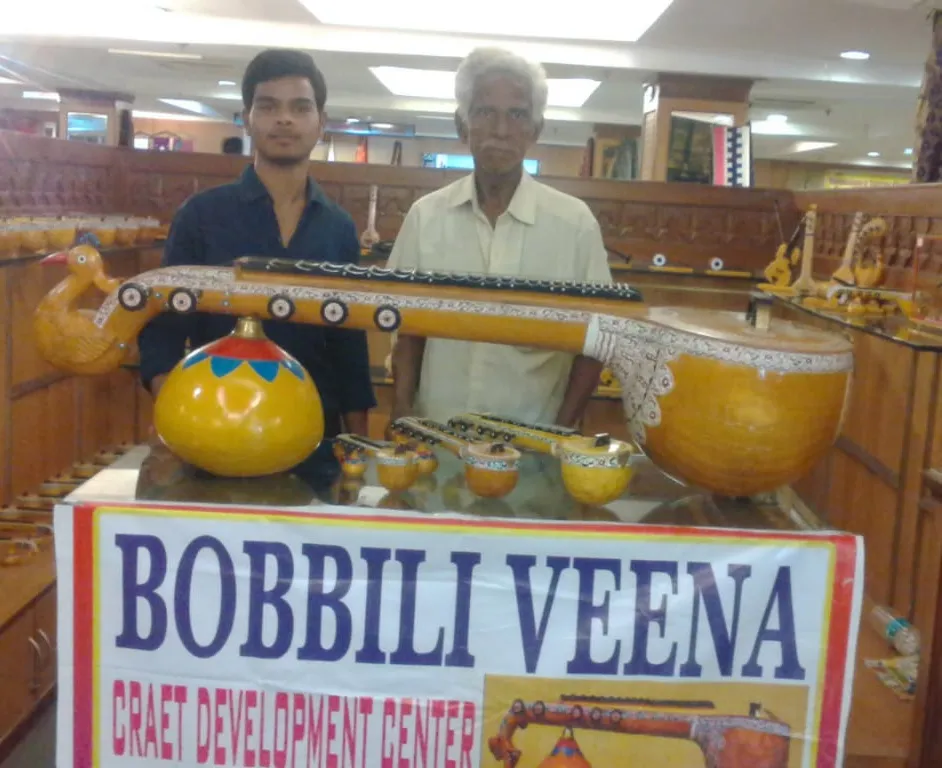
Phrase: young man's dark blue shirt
(217,226)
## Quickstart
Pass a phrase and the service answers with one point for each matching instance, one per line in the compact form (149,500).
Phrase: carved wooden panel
(40,175)
(689,224)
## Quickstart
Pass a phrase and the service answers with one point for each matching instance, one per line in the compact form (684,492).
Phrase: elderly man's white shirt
(544,234)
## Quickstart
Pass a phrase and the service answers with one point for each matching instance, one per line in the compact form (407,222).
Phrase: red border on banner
(842,609)
(84,518)
(466,522)
(83,640)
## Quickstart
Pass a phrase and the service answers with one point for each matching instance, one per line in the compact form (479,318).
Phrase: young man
(274,209)
(497,221)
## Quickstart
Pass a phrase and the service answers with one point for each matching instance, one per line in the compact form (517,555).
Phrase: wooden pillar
(668,94)
(106,104)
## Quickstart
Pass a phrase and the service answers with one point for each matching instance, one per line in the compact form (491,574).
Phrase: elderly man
(497,221)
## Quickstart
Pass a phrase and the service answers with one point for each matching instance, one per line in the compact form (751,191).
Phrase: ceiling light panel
(439,84)
(811,146)
(155,54)
(625,21)
(149,115)
(41,95)
(188,105)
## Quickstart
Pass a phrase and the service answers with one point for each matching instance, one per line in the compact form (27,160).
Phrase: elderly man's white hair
(482,62)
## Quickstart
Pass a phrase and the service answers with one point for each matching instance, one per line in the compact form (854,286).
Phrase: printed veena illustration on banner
(211,637)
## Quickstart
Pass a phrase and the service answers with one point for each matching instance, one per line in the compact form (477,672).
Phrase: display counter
(141,476)
(877,732)
(894,328)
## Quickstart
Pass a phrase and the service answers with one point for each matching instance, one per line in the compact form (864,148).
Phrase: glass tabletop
(142,475)
(895,328)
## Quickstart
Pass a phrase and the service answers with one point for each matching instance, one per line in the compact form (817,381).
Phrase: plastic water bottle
(902,635)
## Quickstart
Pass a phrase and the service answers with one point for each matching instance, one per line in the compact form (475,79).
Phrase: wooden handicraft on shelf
(735,403)
(854,286)
(778,273)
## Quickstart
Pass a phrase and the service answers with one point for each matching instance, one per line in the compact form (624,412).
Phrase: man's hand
(406,365)
(583,381)
(357,423)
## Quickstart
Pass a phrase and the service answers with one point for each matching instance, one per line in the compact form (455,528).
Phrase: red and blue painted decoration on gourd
(261,355)
(566,754)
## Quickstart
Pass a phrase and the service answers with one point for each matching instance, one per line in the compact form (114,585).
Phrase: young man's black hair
(277,63)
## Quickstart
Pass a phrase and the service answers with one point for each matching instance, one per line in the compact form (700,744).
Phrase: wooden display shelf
(21,585)
(880,724)
(27,644)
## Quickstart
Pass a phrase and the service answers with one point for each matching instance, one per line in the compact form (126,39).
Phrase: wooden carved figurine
(805,283)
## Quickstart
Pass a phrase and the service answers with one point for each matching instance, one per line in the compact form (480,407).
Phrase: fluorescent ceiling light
(873,154)
(439,84)
(382,126)
(9,81)
(189,105)
(352,120)
(624,22)
(155,54)
(227,82)
(855,55)
(908,151)
(146,115)
(777,118)
(43,95)
(767,128)
(811,146)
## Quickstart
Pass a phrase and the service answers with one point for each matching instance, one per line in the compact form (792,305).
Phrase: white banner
(204,637)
